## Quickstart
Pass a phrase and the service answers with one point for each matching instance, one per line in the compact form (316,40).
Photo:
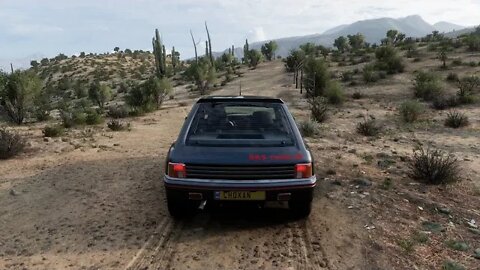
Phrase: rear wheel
(300,208)
(179,207)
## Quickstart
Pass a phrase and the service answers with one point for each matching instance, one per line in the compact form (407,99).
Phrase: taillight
(177,170)
(303,170)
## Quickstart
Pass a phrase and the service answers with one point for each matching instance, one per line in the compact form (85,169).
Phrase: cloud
(257,34)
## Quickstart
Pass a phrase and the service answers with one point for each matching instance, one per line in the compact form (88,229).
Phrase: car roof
(239,99)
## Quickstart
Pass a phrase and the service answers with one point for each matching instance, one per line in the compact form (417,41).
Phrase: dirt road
(99,203)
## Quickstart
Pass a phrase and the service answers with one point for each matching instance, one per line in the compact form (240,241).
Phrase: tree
(44,61)
(255,58)
(316,76)
(309,48)
(324,51)
(202,73)
(356,41)
(17,93)
(128,51)
(157,89)
(268,50)
(82,55)
(99,93)
(341,43)
(442,55)
(393,37)
(34,64)
(116,49)
(388,60)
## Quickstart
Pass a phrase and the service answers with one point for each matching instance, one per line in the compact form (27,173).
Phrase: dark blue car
(239,149)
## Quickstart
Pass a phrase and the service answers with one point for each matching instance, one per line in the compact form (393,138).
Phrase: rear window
(240,124)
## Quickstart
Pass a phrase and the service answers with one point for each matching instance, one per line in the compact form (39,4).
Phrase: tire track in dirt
(156,252)
(314,246)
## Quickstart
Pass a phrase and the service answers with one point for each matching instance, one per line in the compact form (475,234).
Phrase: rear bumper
(219,184)
(298,189)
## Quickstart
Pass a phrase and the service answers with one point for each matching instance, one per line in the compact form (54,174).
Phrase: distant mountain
(445,27)
(374,30)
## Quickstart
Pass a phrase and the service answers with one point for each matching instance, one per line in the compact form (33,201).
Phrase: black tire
(300,208)
(179,207)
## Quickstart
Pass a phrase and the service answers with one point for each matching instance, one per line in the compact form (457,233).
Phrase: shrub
(451,265)
(452,77)
(93,117)
(53,131)
(334,93)
(457,62)
(116,125)
(319,109)
(17,93)
(369,74)
(456,120)
(10,143)
(433,167)
(388,60)
(368,127)
(466,87)
(357,95)
(308,128)
(411,110)
(441,103)
(117,111)
(426,85)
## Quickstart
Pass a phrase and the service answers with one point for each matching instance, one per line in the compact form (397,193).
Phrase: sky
(32,29)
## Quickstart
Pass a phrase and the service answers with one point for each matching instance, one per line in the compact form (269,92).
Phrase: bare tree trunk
(195,47)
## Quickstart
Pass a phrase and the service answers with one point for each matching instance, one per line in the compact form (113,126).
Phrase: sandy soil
(95,200)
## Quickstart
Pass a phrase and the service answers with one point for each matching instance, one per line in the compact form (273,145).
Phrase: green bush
(388,60)
(368,127)
(308,128)
(411,110)
(93,117)
(456,120)
(53,131)
(334,93)
(369,74)
(427,86)
(433,167)
(11,143)
(118,111)
(319,109)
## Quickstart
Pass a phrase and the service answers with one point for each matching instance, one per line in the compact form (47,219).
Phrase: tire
(300,209)
(179,207)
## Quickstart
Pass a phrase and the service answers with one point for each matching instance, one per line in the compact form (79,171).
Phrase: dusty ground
(95,200)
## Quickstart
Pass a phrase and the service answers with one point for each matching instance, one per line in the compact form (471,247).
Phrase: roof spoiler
(239,99)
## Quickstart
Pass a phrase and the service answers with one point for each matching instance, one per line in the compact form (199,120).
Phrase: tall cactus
(246,49)
(206,50)
(164,60)
(174,60)
(158,53)
(210,55)
(233,50)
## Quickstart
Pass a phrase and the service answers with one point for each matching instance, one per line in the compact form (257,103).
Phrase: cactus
(233,50)
(246,50)
(206,50)
(158,53)
(209,47)
(174,60)
(164,60)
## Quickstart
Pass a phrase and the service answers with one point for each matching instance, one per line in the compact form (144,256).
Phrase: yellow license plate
(240,195)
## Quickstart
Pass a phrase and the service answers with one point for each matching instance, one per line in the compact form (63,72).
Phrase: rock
(476,253)
(352,151)
(474,231)
(116,144)
(444,210)
(362,182)
(13,192)
(433,226)
(64,139)
(47,139)
(383,155)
